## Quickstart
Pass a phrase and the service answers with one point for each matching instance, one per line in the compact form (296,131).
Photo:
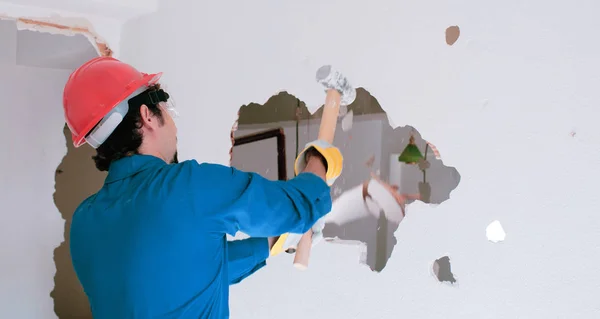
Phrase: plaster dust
(537,64)
(369,222)
(347,121)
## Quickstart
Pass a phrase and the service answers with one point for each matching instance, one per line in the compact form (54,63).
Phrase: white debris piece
(347,121)
(494,232)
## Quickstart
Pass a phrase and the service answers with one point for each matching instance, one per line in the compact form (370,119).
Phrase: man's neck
(152,152)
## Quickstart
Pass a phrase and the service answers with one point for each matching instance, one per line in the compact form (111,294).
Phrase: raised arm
(230,200)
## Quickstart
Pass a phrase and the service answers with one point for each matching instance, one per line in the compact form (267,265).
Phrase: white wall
(36,277)
(30,225)
(500,105)
(511,105)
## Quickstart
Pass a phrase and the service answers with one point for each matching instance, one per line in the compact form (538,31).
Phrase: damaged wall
(511,104)
(35,269)
(500,104)
(41,42)
(33,145)
(364,212)
(101,25)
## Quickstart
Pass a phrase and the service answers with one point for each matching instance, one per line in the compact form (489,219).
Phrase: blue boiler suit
(152,242)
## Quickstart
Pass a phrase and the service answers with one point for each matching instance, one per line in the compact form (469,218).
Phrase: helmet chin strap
(150,97)
(110,122)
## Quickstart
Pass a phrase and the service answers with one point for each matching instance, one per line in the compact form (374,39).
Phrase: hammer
(339,92)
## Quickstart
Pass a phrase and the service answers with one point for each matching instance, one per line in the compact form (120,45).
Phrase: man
(152,242)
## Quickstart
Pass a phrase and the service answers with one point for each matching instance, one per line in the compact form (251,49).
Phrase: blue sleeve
(245,257)
(230,200)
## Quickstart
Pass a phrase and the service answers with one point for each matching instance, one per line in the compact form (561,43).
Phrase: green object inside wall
(411,154)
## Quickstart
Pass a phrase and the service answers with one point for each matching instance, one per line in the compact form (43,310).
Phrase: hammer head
(333,79)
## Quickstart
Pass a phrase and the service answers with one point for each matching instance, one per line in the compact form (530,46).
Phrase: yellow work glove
(333,158)
(290,240)
(334,161)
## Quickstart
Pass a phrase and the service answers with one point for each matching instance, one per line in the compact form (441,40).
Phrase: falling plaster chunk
(383,197)
(452,34)
(337,191)
(347,121)
(494,232)
(443,270)
(343,110)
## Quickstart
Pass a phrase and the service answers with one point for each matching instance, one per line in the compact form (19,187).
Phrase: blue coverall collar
(131,165)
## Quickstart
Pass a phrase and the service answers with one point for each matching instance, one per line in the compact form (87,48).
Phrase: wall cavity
(443,270)
(385,168)
(76,179)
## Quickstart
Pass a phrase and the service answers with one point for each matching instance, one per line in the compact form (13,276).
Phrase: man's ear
(148,118)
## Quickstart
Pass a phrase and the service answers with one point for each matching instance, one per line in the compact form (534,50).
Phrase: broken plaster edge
(264,101)
(56,24)
(432,273)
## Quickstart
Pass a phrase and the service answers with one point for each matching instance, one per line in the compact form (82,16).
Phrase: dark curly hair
(127,137)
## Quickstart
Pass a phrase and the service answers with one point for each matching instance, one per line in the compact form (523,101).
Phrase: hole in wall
(443,270)
(452,34)
(380,177)
(76,179)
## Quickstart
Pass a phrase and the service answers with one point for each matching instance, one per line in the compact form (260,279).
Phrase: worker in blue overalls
(151,243)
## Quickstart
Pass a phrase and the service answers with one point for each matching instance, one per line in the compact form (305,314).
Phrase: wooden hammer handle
(331,111)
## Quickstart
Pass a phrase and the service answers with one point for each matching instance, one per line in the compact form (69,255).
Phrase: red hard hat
(95,88)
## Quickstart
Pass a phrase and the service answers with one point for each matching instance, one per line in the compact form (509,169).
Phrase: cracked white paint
(383,200)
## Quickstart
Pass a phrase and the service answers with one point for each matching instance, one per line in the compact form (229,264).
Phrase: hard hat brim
(146,80)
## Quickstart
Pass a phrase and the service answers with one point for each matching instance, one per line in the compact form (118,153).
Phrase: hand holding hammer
(339,92)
